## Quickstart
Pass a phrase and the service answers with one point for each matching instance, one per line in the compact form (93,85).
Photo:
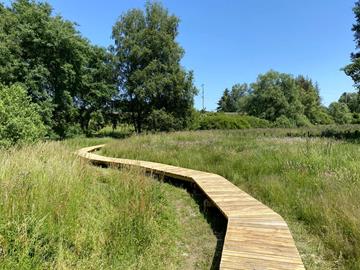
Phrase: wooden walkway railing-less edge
(256,237)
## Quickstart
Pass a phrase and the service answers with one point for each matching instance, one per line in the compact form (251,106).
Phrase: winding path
(256,237)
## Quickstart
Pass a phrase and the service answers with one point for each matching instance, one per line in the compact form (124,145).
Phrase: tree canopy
(62,72)
(353,69)
(278,97)
(150,77)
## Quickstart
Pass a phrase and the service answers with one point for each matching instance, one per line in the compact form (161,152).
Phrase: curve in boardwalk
(256,237)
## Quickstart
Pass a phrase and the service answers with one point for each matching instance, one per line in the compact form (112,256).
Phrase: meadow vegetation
(312,182)
(57,212)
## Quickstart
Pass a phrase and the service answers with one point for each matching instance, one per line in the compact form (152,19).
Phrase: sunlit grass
(57,212)
(313,183)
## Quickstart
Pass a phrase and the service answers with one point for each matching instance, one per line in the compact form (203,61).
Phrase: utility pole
(203,97)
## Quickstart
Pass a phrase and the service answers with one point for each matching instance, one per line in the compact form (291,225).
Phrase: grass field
(59,213)
(312,182)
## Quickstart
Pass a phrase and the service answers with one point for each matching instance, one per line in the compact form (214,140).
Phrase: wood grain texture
(257,238)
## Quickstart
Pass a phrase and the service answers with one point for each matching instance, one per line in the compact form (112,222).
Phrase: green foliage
(352,100)
(353,69)
(148,65)
(321,116)
(340,113)
(276,95)
(302,121)
(20,121)
(96,122)
(62,72)
(160,120)
(234,101)
(229,121)
(283,122)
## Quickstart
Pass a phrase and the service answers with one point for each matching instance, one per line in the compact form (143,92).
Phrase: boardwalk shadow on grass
(212,215)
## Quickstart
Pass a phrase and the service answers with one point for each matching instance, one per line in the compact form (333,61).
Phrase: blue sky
(232,41)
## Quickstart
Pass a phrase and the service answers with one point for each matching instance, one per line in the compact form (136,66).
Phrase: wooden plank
(256,236)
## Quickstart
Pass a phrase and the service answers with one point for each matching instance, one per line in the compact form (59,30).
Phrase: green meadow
(57,212)
(312,182)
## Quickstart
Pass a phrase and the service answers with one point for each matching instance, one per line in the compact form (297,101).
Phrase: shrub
(283,122)
(159,120)
(302,121)
(20,121)
(230,121)
(340,113)
(321,117)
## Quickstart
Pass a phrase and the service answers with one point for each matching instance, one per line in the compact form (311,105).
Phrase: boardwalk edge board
(256,236)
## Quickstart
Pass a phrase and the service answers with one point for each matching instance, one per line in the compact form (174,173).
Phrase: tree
(352,100)
(234,100)
(20,120)
(340,113)
(61,71)
(226,104)
(353,69)
(275,94)
(148,65)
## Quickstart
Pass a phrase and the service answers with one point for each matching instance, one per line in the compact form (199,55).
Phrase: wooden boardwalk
(256,237)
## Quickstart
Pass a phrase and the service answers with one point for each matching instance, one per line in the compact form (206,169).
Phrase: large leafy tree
(353,69)
(150,76)
(62,72)
(275,94)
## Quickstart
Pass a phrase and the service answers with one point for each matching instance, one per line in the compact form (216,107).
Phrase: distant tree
(234,100)
(275,94)
(20,120)
(352,100)
(150,77)
(226,104)
(340,113)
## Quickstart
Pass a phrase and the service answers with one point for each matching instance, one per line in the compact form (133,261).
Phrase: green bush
(20,121)
(230,121)
(321,117)
(302,121)
(283,122)
(340,113)
(159,120)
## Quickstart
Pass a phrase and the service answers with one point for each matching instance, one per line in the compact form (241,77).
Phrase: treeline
(54,83)
(288,101)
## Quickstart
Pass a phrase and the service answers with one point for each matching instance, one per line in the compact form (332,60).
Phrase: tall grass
(59,213)
(313,183)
